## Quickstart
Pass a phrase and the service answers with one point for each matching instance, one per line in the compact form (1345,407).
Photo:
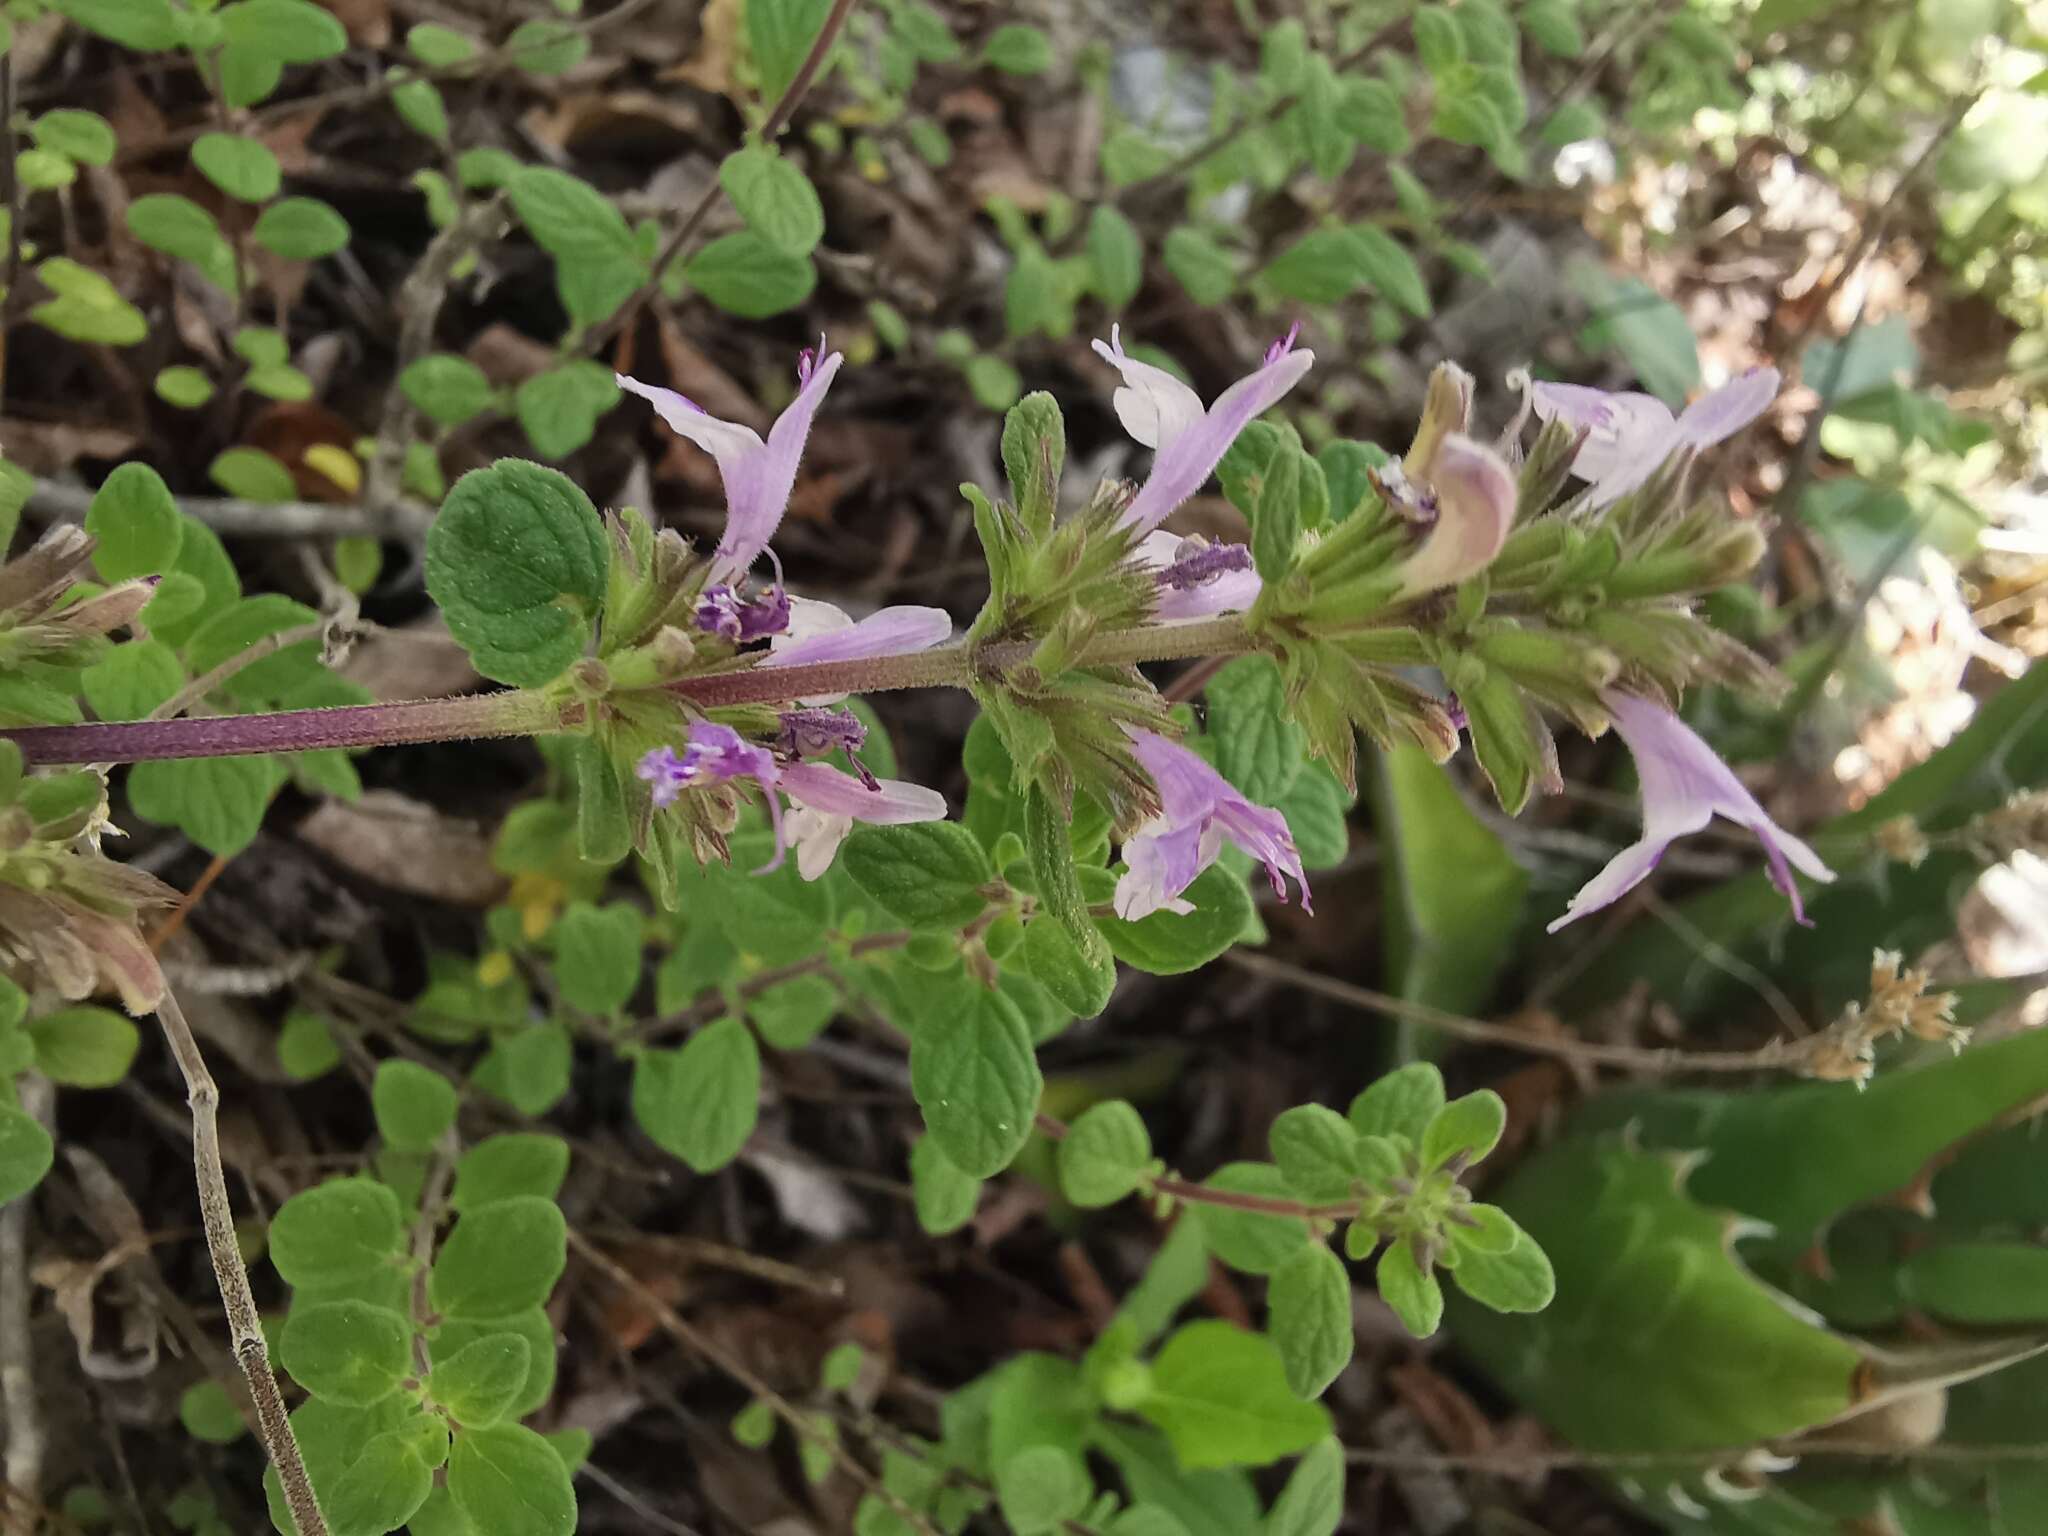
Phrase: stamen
(821,732)
(1203,563)
(1284,345)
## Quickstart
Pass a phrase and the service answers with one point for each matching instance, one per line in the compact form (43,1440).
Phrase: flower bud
(1475,508)
(113,609)
(1446,410)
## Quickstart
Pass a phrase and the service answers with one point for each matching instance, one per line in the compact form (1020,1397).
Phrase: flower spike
(1166,416)
(1684,787)
(1199,810)
(758,476)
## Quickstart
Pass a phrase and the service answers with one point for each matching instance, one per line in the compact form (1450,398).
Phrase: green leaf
(82,136)
(243,168)
(775,198)
(1371,112)
(1116,256)
(252,474)
(1276,526)
(701,1103)
(290,31)
(1258,748)
(1403,1103)
(976,1079)
(779,35)
(754,1425)
(1212,1503)
(448,389)
(335,1233)
(84,1047)
(841,1367)
(438,47)
(528,1068)
(208,1413)
(1317,1149)
(478,1382)
(746,276)
(348,1352)
(1452,888)
(383,1486)
(1410,1289)
(559,408)
(544,46)
(180,228)
(1081,981)
(422,108)
(1041,1488)
(1312,1503)
(414,1105)
(994,383)
(1220,1396)
(143,25)
(1168,943)
(1308,1304)
(217,802)
(927,875)
(1388,270)
(306,1047)
(1203,267)
(1647,329)
(1317,811)
(598,263)
(1467,1128)
(1553,27)
(501,1258)
(517,561)
(1105,1155)
(790,1015)
(300,229)
(1869,359)
(945,1197)
(503,1167)
(597,955)
(26,1152)
(1325,266)
(1248,1240)
(86,307)
(1016,49)
(1517,1280)
(135,522)
(510,1482)
(533,1326)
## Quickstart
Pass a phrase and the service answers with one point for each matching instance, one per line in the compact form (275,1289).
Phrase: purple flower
(1198,809)
(820,732)
(758,476)
(713,754)
(827,804)
(822,632)
(1166,416)
(1197,579)
(722,611)
(1684,786)
(1629,435)
(1472,496)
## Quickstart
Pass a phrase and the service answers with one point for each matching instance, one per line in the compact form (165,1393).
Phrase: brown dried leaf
(406,845)
(710,67)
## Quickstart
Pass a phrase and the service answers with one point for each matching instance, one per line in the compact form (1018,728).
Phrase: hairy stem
(1055,1129)
(245,1328)
(523,713)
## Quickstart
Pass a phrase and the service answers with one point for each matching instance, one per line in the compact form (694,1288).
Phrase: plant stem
(1055,1129)
(527,713)
(245,1328)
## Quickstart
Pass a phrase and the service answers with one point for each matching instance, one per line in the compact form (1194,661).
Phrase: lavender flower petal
(886,632)
(827,803)
(1684,787)
(1199,810)
(1162,413)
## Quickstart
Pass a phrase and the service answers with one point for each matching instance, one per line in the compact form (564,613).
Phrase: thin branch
(771,129)
(699,1342)
(245,1326)
(714,1002)
(25,1439)
(54,502)
(1522,1463)
(1779,1053)
(1055,1129)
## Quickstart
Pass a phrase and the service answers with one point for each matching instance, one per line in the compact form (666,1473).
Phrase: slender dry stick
(25,1439)
(245,1329)
(697,1340)
(10,193)
(771,129)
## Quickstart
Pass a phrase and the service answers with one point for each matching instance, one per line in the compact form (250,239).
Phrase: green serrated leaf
(775,198)
(1308,1304)
(478,1382)
(1403,1103)
(347,1352)
(945,1197)
(700,1103)
(335,1233)
(1105,1155)
(927,875)
(977,1081)
(510,1482)
(1220,1396)
(744,275)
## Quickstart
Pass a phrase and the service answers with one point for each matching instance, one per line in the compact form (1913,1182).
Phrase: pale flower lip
(822,632)
(1475,511)
(1166,416)
(1197,579)
(1199,811)
(1685,785)
(758,476)
(1628,435)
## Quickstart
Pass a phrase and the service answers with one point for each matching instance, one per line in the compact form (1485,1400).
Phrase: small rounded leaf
(26,1152)
(478,1383)
(1309,1310)
(500,1259)
(1400,1104)
(1318,1151)
(209,1414)
(1520,1280)
(336,1232)
(348,1352)
(700,1103)
(1409,1289)
(414,1105)
(1104,1155)
(510,1482)
(135,522)
(84,1047)
(1467,1128)
(502,1167)
(945,1197)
